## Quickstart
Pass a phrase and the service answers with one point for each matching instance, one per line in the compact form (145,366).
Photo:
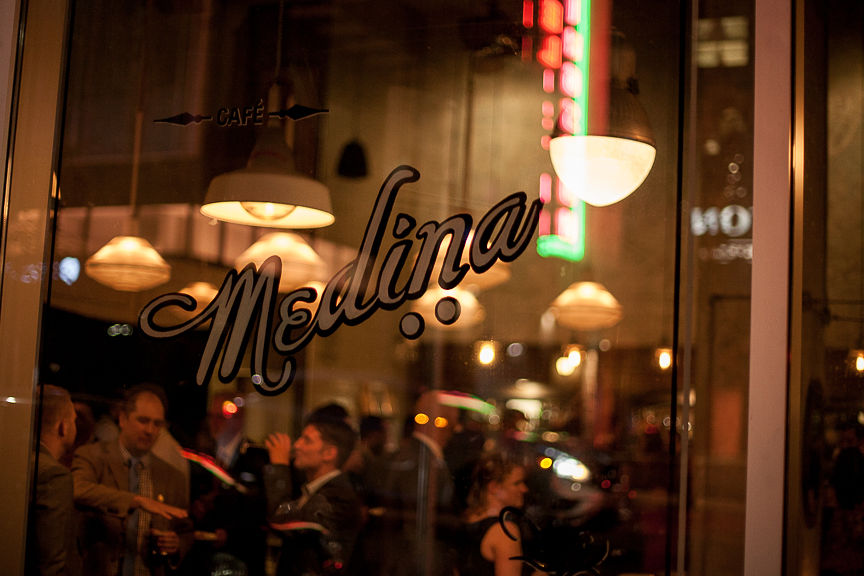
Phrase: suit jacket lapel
(118,468)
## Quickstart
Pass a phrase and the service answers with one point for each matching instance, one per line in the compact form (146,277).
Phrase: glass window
(825,471)
(392,287)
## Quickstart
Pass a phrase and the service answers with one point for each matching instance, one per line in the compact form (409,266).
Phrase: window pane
(490,350)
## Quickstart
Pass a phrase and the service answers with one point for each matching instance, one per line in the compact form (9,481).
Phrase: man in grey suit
(133,499)
(51,542)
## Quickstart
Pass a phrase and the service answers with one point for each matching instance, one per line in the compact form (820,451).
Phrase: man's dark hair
(55,401)
(328,413)
(130,396)
(371,424)
(339,434)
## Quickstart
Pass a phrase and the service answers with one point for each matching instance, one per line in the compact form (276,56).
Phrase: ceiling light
(601,170)
(570,360)
(202,292)
(498,274)
(300,263)
(663,358)
(586,306)
(605,164)
(485,352)
(856,361)
(269,191)
(128,264)
(471,312)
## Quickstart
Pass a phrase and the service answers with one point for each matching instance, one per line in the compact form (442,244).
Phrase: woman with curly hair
(488,550)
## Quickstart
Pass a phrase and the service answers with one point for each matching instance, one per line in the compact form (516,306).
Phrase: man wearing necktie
(132,500)
(320,527)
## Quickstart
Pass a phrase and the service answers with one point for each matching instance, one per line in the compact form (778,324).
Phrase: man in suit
(51,537)
(235,514)
(419,518)
(320,527)
(132,499)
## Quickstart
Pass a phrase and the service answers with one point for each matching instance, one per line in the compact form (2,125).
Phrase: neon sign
(246,305)
(565,40)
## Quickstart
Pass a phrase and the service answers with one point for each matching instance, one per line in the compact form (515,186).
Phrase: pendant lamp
(471,312)
(301,265)
(586,306)
(203,292)
(498,274)
(608,165)
(269,191)
(128,264)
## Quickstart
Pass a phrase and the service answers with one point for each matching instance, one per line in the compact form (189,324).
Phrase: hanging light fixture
(202,292)
(269,191)
(607,166)
(586,306)
(129,263)
(498,274)
(471,311)
(300,263)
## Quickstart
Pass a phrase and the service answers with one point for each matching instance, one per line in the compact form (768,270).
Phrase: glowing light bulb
(267,210)
(486,355)
(859,363)
(564,366)
(664,359)
(421,418)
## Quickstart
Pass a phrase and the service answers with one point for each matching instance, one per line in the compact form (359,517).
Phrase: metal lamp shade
(587,306)
(471,311)
(609,162)
(128,264)
(498,274)
(269,192)
(300,263)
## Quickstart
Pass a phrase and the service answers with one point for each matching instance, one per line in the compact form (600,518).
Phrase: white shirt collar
(313,486)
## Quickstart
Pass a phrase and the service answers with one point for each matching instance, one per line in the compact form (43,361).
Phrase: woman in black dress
(488,551)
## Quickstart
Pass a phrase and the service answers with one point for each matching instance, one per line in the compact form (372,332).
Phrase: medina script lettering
(246,302)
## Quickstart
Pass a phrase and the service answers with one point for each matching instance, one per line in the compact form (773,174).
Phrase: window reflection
(571,394)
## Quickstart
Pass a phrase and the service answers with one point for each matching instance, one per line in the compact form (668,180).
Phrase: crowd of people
(130,501)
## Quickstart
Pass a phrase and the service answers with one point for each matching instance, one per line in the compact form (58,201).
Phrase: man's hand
(279,446)
(160,508)
(167,541)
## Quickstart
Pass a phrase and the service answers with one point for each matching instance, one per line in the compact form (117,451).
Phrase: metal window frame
(30,187)
(769,324)
(34,89)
